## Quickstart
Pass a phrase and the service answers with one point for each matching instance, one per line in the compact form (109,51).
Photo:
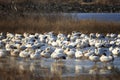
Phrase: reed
(56,23)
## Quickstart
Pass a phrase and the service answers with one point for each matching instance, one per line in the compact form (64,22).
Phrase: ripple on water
(70,67)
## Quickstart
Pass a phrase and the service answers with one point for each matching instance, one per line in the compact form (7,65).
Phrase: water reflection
(71,67)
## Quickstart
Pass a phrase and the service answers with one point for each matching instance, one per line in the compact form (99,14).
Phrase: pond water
(115,17)
(65,68)
(97,16)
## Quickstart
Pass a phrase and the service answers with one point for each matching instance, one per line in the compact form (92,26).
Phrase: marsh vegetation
(57,23)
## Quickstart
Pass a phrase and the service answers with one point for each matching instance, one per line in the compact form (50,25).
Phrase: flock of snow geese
(94,46)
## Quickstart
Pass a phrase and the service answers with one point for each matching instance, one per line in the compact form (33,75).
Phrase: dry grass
(57,24)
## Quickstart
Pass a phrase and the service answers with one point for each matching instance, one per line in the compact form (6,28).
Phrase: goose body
(58,54)
(24,54)
(78,54)
(45,54)
(35,55)
(94,58)
(116,51)
(15,52)
(70,53)
(87,54)
(105,58)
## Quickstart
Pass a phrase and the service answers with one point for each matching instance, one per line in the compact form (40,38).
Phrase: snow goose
(75,33)
(92,42)
(47,52)
(23,47)
(113,35)
(15,52)
(99,51)
(98,44)
(54,44)
(92,35)
(58,54)
(78,54)
(99,35)
(70,53)
(116,51)
(94,58)
(26,53)
(104,58)
(87,53)
(35,55)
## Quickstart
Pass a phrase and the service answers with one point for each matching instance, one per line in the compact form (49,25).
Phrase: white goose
(116,51)
(15,52)
(25,53)
(35,55)
(104,58)
(70,53)
(88,53)
(99,51)
(78,54)
(47,52)
(94,58)
(58,54)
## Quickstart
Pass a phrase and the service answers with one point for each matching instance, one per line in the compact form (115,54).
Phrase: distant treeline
(54,6)
(68,1)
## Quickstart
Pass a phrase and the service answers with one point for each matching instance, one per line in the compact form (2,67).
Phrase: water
(97,16)
(70,67)
(115,17)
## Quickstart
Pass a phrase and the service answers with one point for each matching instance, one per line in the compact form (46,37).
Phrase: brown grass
(56,23)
